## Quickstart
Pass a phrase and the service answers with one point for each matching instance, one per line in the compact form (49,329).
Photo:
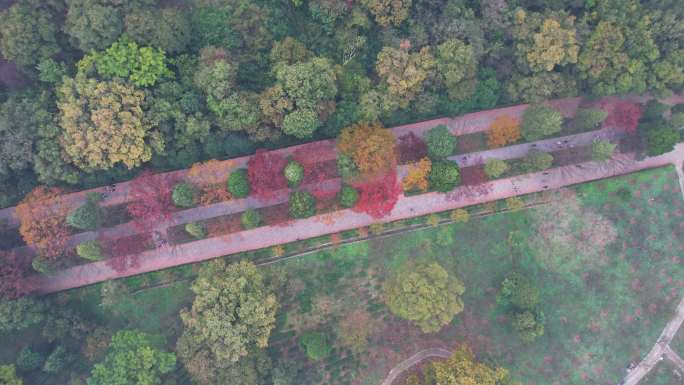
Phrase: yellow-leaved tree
(103,123)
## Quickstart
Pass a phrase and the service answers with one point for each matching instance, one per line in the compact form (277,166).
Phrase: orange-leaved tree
(370,146)
(42,215)
(504,130)
(417,177)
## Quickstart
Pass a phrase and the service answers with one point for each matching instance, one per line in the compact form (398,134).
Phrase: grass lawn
(601,313)
(663,374)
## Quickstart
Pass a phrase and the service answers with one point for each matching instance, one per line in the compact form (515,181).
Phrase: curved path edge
(413,360)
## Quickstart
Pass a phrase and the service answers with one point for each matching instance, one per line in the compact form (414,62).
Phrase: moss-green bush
(250,219)
(444,176)
(539,122)
(294,173)
(238,183)
(348,196)
(183,195)
(315,344)
(301,204)
(440,142)
(87,216)
(196,230)
(90,250)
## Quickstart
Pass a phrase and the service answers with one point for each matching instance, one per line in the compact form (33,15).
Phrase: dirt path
(413,360)
(674,357)
(659,350)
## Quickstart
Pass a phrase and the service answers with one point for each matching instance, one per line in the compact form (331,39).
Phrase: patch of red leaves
(265,173)
(150,201)
(13,273)
(410,148)
(622,115)
(378,196)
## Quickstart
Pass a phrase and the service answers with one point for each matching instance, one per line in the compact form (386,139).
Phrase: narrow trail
(658,351)
(413,360)
(674,357)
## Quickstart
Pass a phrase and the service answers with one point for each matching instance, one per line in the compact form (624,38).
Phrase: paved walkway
(413,360)
(660,350)
(343,220)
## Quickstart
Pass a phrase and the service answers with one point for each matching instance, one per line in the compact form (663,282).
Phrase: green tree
(540,86)
(461,368)
(518,291)
(93,24)
(87,216)
(238,183)
(183,195)
(661,139)
(444,176)
(301,204)
(90,250)
(536,161)
(28,360)
(294,173)
(133,358)
(250,219)
(388,12)
(167,28)
(494,168)
(348,196)
(456,65)
(233,312)
(440,142)
(539,122)
(143,66)
(19,116)
(529,325)
(8,376)
(301,123)
(589,118)
(196,230)
(403,75)
(315,344)
(20,314)
(110,111)
(57,360)
(50,71)
(424,294)
(29,33)
(544,41)
(602,150)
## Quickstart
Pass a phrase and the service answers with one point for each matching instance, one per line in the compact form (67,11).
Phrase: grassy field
(607,256)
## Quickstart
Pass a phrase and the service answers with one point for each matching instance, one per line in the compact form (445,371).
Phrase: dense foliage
(539,122)
(301,204)
(424,294)
(183,195)
(440,143)
(232,314)
(444,176)
(238,184)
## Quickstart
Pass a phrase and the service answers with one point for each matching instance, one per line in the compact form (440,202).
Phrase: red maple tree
(13,273)
(150,200)
(123,252)
(378,196)
(410,148)
(265,173)
(622,115)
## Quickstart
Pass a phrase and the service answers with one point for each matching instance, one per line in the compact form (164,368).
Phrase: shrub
(196,230)
(677,121)
(348,196)
(444,176)
(654,110)
(238,184)
(250,219)
(411,148)
(294,173)
(602,150)
(370,146)
(625,116)
(29,360)
(540,121)
(514,203)
(315,344)
(460,215)
(183,195)
(660,140)
(416,178)
(529,325)
(346,167)
(536,161)
(440,143)
(90,250)
(301,205)
(589,118)
(8,375)
(504,130)
(87,216)
(56,360)
(494,168)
